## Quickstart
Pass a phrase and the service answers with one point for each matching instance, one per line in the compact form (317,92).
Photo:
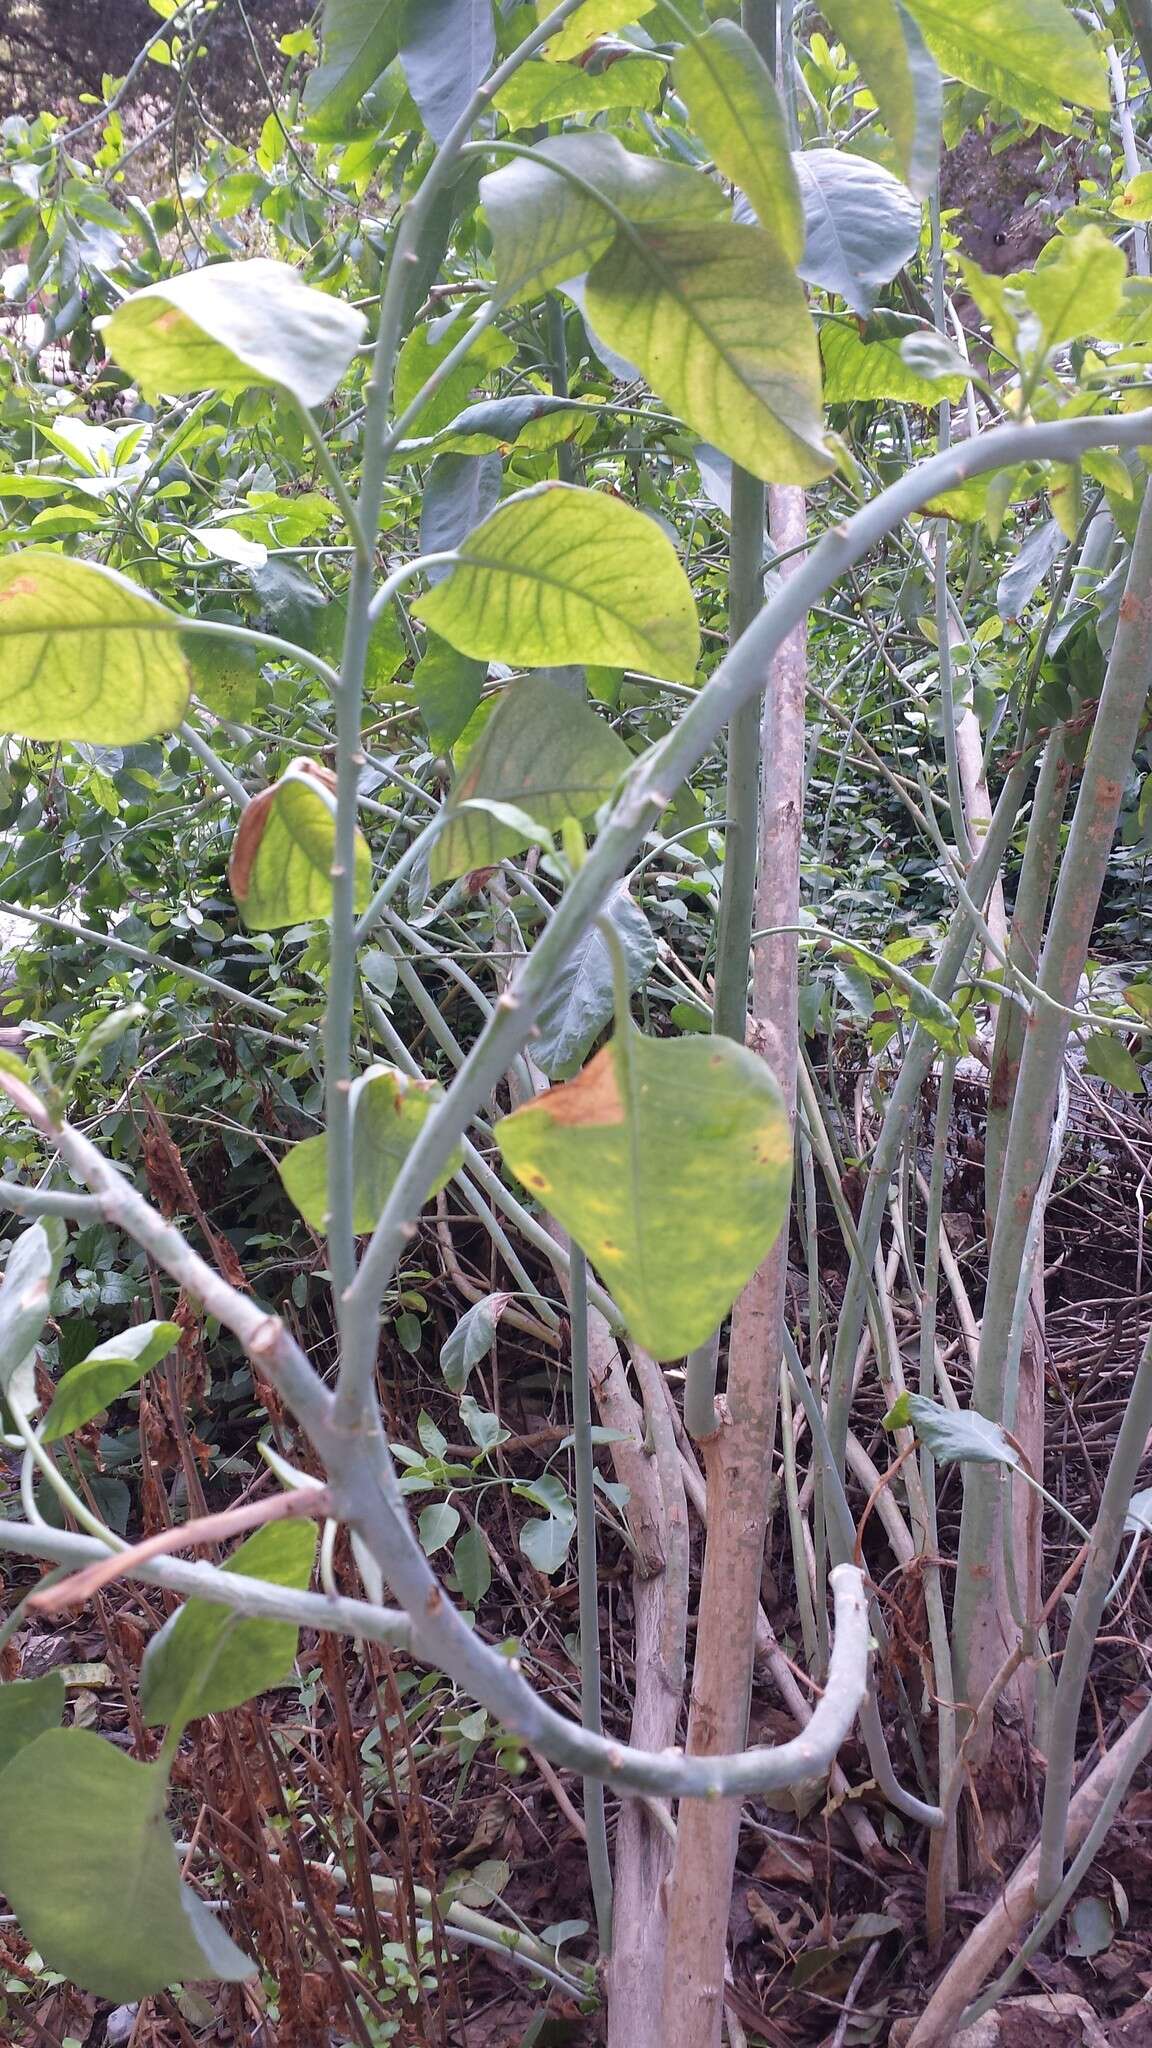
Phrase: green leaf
(1135,201)
(547,92)
(859,369)
(438,1525)
(25,1298)
(358,40)
(447,48)
(28,1708)
(105,1374)
(579,1002)
(1031,54)
(1075,287)
(84,654)
(862,224)
(281,865)
(900,74)
(226,674)
(422,354)
(718,323)
(670,1162)
(447,687)
(546,1543)
(92,1874)
(594,19)
(388,1113)
(954,1436)
(472,1566)
(731,97)
(207,1658)
(542,751)
(471,1340)
(560,575)
(1111,1061)
(459,492)
(231,326)
(497,424)
(546,229)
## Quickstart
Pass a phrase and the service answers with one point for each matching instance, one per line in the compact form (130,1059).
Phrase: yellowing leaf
(1075,287)
(281,865)
(559,575)
(670,1162)
(388,1113)
(84,654)
(901,76)
(731,97)
(1030,53)
(717,321)
(588,22)
(547,92)
(230,326)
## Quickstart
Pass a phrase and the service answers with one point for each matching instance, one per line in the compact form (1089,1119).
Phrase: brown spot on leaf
(246,844)
(20,586)
(592,1098)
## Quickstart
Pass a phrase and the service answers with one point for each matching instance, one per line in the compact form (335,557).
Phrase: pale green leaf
(669,1161)
(717,321)
(547,228)
(1135,201)
(595,18)
(282,855)
(1032,54)
(85,654)
(862,224)
(472,1566)
(208,1658)
(547,92)
(230,326)
(25,1297)
(1075,287)
(422,354)
(858,368)
(388,1113)
(91,1871)
(471,1340)
(563,575)
(107,1372)
(731,97)
(543,752)
(495,424)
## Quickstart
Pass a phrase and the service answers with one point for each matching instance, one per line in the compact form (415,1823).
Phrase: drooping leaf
(281,865)
(1019,583)
(901,75)
(84,654)
(471,1340)
(717,321)
(107,1372)
(1111,1061)
(731,96)
(459,493)
(862,224)
(670,1162)
(92,1874)
(447,687)
(207,1658)
(858,368)
(595,18)
(388,1112)
(25,1297)
(1030,53)
(28,1708)
(954,1436)
(579,1002)
(542,752)
(1075,287)
(358,40)
(230,326)
(558,574)
(546,229)
(547,92)
(447,49)
(495,424)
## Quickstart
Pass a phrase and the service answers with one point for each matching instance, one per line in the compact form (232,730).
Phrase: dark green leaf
(447,49)
(207,1658)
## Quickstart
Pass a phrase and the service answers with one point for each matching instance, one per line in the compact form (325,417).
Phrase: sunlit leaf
(1032,54)
(388,1113)
(545,753)
(593,19)
(422,354)
(859,369)
(447,49)
(1075,286)
(546,92)
(281,865)
(206,1657)
(670,1162)
(564,575)
(230,326)
(902,77)
(547,229)
(731,97)
(107,1372)
(718,323)
(90,1869)
(85,654)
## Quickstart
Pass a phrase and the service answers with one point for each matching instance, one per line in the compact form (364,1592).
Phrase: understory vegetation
(575,1023)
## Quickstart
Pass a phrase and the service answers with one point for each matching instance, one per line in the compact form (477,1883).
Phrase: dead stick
(71,1592)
